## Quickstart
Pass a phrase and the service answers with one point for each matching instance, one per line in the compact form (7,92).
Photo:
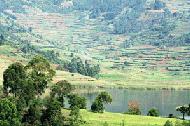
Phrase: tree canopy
(23,103)
(40,72)
(60,90)
(9,115)
(101,99)
(14,78)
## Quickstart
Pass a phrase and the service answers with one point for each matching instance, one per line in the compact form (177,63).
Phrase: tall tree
(14,78)
(40,72)
(52,115)
(60,90)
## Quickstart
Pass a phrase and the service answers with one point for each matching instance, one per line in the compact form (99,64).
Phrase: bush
(77,101)
(97,106)
(133,108)
(178,123)
(168,123)
(153,112)
(171,116)
(101,99)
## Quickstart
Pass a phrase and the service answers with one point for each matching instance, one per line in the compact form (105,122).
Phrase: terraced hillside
(147,48)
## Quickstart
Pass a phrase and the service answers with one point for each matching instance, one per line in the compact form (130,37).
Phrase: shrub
(77,101)
(133,108)
(153,112)
(97,106)
(101,99)
(168,123)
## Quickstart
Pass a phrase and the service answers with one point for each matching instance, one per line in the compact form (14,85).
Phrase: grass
(116,119)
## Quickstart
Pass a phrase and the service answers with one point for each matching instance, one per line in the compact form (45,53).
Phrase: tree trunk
(183,116)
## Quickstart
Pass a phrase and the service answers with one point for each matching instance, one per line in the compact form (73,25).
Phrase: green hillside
(138,44)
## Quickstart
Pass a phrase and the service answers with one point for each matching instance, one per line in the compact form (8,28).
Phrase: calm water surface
(165,100)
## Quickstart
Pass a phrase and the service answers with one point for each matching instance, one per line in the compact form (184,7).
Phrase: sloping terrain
(138,43)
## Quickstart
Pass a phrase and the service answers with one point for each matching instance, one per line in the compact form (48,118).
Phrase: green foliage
(8,113)
(75,117)
(28,49)
(33,115)
(153,112)
(178,123)
(77,66)
(60,90)
(52,115)
(20,104)
(77,101)
(97,106)
(184,123)
(40,71)
(168,123)
(52,56)
(183,109)
(14,78)
(28,82)
(104,97)
(101,99)
(105,124)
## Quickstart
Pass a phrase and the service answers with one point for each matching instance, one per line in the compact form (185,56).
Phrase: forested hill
(155,22)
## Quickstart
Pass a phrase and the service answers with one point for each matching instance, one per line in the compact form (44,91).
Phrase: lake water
(164,100)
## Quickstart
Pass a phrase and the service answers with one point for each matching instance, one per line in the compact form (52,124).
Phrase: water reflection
(165,100)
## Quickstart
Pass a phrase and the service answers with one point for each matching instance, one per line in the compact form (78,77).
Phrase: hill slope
(138,43)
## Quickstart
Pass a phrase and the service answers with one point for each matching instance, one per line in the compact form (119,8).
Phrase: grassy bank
(117,119)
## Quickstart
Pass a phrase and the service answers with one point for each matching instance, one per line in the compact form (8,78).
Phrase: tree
(14,78)
(75,117)
(1,39)
(76,65)
(101,99)
(168,123)
(20,104)
(40,73)
(183,109)
(8,113)
(91,71)
(153,112)
(97,106)
(104,97)
(52,115)
(133,108)
(60,90)
(77,101)
(28,91)
(33,115)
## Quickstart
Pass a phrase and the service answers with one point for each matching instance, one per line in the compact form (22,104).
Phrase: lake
(164,100)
